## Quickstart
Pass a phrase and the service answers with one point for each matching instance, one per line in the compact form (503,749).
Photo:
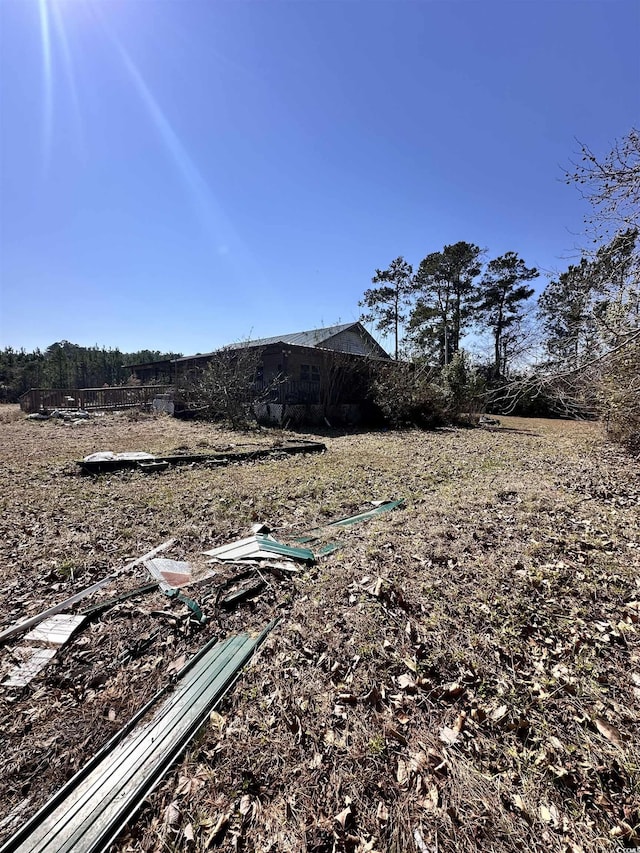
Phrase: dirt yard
(462,674)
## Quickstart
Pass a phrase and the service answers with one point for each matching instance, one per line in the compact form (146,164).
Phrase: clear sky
(180,174)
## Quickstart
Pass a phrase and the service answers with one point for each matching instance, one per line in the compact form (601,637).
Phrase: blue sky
(179,174)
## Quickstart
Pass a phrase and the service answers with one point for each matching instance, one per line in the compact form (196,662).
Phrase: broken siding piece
(169,573)
(259,547)
(365,516)
(34,661)
(55,631)
(98,463)
(378,508)
(19,627)
(87,814)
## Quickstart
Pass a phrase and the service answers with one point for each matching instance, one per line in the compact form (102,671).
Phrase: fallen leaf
(391,732)
(627,832)
(217,721)
(382,812)
(607,730)
(448,735)
(460,721)
(430,801)
(549,814)
(402,774)
(221,825)
(499,713)
(405,682)
(419,840)
(171,814)
(452,690)
(245,805)
(344,815)
(316,761)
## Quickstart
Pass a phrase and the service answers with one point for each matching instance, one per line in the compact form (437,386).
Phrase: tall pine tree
(500,301)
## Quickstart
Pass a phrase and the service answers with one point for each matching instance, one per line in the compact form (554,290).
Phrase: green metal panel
(90,811)
(346,522)
(365,516)
(267,544)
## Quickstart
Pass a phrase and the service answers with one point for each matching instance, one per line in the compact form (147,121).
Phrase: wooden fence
(90,399)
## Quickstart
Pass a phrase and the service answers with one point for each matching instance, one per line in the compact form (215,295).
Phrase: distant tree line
(67,365)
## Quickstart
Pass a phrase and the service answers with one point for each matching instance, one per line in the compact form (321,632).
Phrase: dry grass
(482,693)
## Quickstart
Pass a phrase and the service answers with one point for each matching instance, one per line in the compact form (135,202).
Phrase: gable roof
(310,338)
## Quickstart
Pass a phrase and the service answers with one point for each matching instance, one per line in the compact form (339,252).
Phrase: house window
(309,373)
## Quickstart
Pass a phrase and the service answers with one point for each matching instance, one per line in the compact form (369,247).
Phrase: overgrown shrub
(404,396)
(226,389)
(620,391)
(415,395)
(464,389)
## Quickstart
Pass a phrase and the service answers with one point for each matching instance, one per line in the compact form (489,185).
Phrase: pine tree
(501,296)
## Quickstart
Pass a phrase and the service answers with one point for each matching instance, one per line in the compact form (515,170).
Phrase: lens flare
(69,71)
(47,82)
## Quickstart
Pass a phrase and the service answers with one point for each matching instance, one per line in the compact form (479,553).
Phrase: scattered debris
(154,466)
(259,547)
(243,593)
(66,415)
(169,573)
(33,662)
(485,420)
(19,627)
(101,606)
(91,809)
(105,461)
(55,631)
(191,604)
(330,547)
(379,508)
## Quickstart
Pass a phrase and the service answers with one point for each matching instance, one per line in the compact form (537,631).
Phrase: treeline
(575,350)
(452,292)
(67,365)
(582,313)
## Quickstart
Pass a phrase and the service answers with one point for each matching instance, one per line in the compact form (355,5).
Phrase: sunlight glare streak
(215,222)
(67,61)
(47,79)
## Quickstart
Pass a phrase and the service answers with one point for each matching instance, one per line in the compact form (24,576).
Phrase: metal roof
(310,338)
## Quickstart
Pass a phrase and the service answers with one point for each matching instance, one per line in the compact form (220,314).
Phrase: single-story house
(306,375)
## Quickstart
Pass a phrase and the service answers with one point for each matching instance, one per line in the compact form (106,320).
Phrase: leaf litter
(478,691)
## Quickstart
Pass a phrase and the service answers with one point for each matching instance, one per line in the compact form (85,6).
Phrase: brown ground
(485,692)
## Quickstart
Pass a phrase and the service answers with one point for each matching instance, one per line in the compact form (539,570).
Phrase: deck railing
(90,399)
